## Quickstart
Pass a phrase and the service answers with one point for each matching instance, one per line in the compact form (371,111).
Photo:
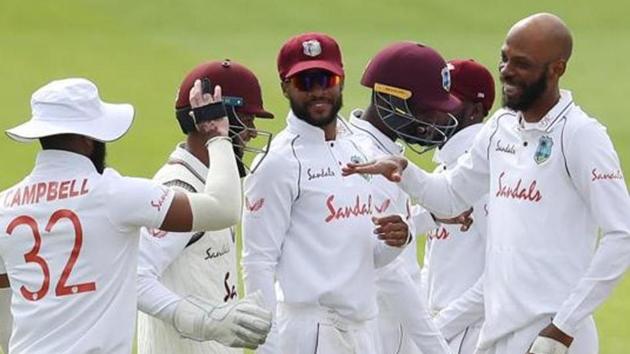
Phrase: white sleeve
(2,269)
(158,249)
(137,202)
(269,196)
(461,312)
(452,192)
(596,173)
(422,220)
(6,325)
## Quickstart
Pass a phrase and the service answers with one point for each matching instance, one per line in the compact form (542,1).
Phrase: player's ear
(284,85)
(558,68)
(478,113)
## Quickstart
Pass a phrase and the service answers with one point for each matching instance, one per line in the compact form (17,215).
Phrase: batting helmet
(241,95)
(410,82)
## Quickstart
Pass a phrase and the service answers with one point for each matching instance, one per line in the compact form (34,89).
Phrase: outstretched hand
(211,128)
(390,167)
(464,219)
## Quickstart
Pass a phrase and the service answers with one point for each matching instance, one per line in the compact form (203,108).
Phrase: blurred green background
(138,51)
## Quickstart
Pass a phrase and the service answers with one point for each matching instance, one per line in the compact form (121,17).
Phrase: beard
(301,111)
(98,156)
(530,94)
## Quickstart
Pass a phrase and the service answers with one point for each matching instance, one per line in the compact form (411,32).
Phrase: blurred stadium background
(138,51)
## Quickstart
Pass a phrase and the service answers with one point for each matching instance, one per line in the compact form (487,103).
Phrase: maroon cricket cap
(234,79)
(414,72)
(306,51)
(471,81)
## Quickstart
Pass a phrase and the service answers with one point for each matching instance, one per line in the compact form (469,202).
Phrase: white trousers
(404,322)
(466,341)
(318,330)
(394,339)
(585,340)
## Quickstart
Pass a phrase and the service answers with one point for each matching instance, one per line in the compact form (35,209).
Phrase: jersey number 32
(33,255)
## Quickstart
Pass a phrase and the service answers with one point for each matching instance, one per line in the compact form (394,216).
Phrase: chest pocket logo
(543,151)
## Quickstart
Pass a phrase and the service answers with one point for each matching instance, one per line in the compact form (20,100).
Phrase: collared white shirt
(69,243)
(174,265)
(399,297)
(454,260)
(378,144)
(551,186)
(310,228)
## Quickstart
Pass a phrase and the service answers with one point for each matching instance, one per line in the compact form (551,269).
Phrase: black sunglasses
(307,80)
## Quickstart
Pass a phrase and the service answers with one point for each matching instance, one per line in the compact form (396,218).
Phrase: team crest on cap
(543,151)
(446,79)
(312,48)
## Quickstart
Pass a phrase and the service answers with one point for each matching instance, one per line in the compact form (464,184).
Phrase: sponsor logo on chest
(507,148)
(313,173)
(519,190)
(216,252)
(360,207)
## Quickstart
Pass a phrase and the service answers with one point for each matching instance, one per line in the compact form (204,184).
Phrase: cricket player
(70,229)
(453,258)
(315,234)
(552,175)
(203,265)
(411,102)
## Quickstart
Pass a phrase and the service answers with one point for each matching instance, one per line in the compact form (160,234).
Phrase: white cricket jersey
(309,228)
(397,292)
(69,242)
(175,265)
(372,140)
(551,185)
(454,260)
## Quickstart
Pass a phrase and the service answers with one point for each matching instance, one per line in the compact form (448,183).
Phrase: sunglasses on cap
(307,80)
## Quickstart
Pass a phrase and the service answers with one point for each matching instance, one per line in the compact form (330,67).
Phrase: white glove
(244,323)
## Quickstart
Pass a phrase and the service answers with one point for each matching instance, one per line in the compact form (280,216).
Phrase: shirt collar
(188,160)
(457,145)
(61,159)
(380,139)
(303,129)
(553,116)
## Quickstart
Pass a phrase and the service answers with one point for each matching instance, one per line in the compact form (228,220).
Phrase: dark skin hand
(555,333)
(390,167)
(4,281)
(462,219)
(179,215)
(392,230)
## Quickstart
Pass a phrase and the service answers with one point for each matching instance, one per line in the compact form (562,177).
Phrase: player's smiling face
(315,96)
(523,77)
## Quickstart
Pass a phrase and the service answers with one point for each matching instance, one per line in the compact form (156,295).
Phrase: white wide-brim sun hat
(73,106)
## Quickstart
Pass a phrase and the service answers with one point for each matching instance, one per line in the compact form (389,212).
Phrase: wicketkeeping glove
(244,323)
